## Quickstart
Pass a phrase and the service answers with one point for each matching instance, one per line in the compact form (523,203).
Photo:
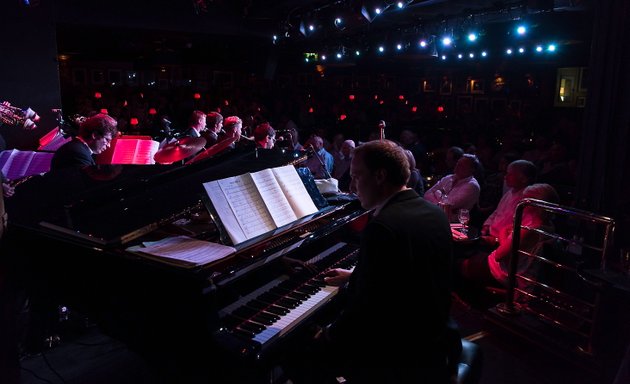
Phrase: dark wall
(29,75)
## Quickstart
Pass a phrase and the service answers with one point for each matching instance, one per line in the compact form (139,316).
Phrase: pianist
(95,135)
(403,265)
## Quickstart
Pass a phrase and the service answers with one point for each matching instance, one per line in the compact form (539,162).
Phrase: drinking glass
(464,218)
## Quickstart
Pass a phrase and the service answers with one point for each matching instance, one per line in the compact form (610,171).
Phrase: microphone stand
(321,162)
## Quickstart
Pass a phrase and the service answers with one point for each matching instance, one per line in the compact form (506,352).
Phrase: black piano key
(257,304)
(252,327)
(288,303)
(244,333)
(305,289)
(298,296)
(266,318)
(277,310)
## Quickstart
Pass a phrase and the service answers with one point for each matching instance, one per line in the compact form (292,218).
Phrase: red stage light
(351,97)
(104,111)
(401,97)
(152,111)
(440,108)
(197,96)
(414,109)
(342,117)
(133,121)
(311,110)
(97,95)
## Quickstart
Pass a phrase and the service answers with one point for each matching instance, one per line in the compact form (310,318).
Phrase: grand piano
(68,239)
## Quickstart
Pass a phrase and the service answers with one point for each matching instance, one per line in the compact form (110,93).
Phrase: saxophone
(11,115)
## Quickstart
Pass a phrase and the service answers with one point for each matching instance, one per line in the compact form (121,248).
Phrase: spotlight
(339,24)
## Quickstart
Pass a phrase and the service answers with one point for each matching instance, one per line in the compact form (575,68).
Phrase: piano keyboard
(277,307)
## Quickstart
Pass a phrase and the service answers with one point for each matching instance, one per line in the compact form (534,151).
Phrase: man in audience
(459,190)
(321,163)
(95,136)
(519,174)
(341,168)
(482,269)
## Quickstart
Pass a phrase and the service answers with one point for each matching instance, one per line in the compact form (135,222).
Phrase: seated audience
(321,163)
(341,168)
(415,178)
(492,270)
(519,174)
(459,190)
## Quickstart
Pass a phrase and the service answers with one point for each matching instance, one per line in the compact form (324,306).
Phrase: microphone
(381,125)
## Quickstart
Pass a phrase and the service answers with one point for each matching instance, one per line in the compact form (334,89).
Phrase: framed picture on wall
(428,85)
(476,86)
(566,87)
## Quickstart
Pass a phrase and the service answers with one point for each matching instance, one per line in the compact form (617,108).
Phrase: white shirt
(503,216)
(462,193)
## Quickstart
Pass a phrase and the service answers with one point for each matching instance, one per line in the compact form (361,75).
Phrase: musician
(196,124)
(404,264)
(214,122)
(95,136)
(264,136)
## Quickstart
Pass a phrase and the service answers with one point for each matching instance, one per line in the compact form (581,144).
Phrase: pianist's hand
(8,190)
(337,276)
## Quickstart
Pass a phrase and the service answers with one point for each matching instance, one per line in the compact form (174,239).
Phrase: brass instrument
(11,115)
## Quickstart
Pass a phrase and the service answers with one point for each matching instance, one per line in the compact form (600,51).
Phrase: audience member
(413,235)
(415,178)
(459,190)
(95,135)
(519,174)
(321,163)
(341,167)
(492,270)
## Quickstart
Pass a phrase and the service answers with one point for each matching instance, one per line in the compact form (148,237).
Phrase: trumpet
(11,115)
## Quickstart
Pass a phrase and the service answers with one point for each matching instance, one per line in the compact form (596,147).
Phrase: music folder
(16,164)
(129,150)
(253,204)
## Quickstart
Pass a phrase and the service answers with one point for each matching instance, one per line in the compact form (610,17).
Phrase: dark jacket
(72,154)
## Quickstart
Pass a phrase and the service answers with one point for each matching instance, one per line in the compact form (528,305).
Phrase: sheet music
(16,164)
(185,249)
(128,150)
(247,205)
(279,207)
(295,191)
(221,205)
(145,150)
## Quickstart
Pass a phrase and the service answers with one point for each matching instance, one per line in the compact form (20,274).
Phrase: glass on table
(464,217)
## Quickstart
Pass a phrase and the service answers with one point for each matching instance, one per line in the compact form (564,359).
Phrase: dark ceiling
(206,29)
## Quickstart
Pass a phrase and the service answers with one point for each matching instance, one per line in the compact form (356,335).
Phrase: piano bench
(470,361)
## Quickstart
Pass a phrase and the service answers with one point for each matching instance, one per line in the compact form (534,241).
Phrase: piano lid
(108,205)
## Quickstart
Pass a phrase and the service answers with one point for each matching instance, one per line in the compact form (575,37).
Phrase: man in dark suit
(404,266)
(95,135)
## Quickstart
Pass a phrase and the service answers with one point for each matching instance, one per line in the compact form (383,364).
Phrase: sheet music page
(185,249)
(227,216)
(294,190)
(5,161)
(247,205)
(40,163)
(145,150)
(124,151)
(273,196)
(19,163)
